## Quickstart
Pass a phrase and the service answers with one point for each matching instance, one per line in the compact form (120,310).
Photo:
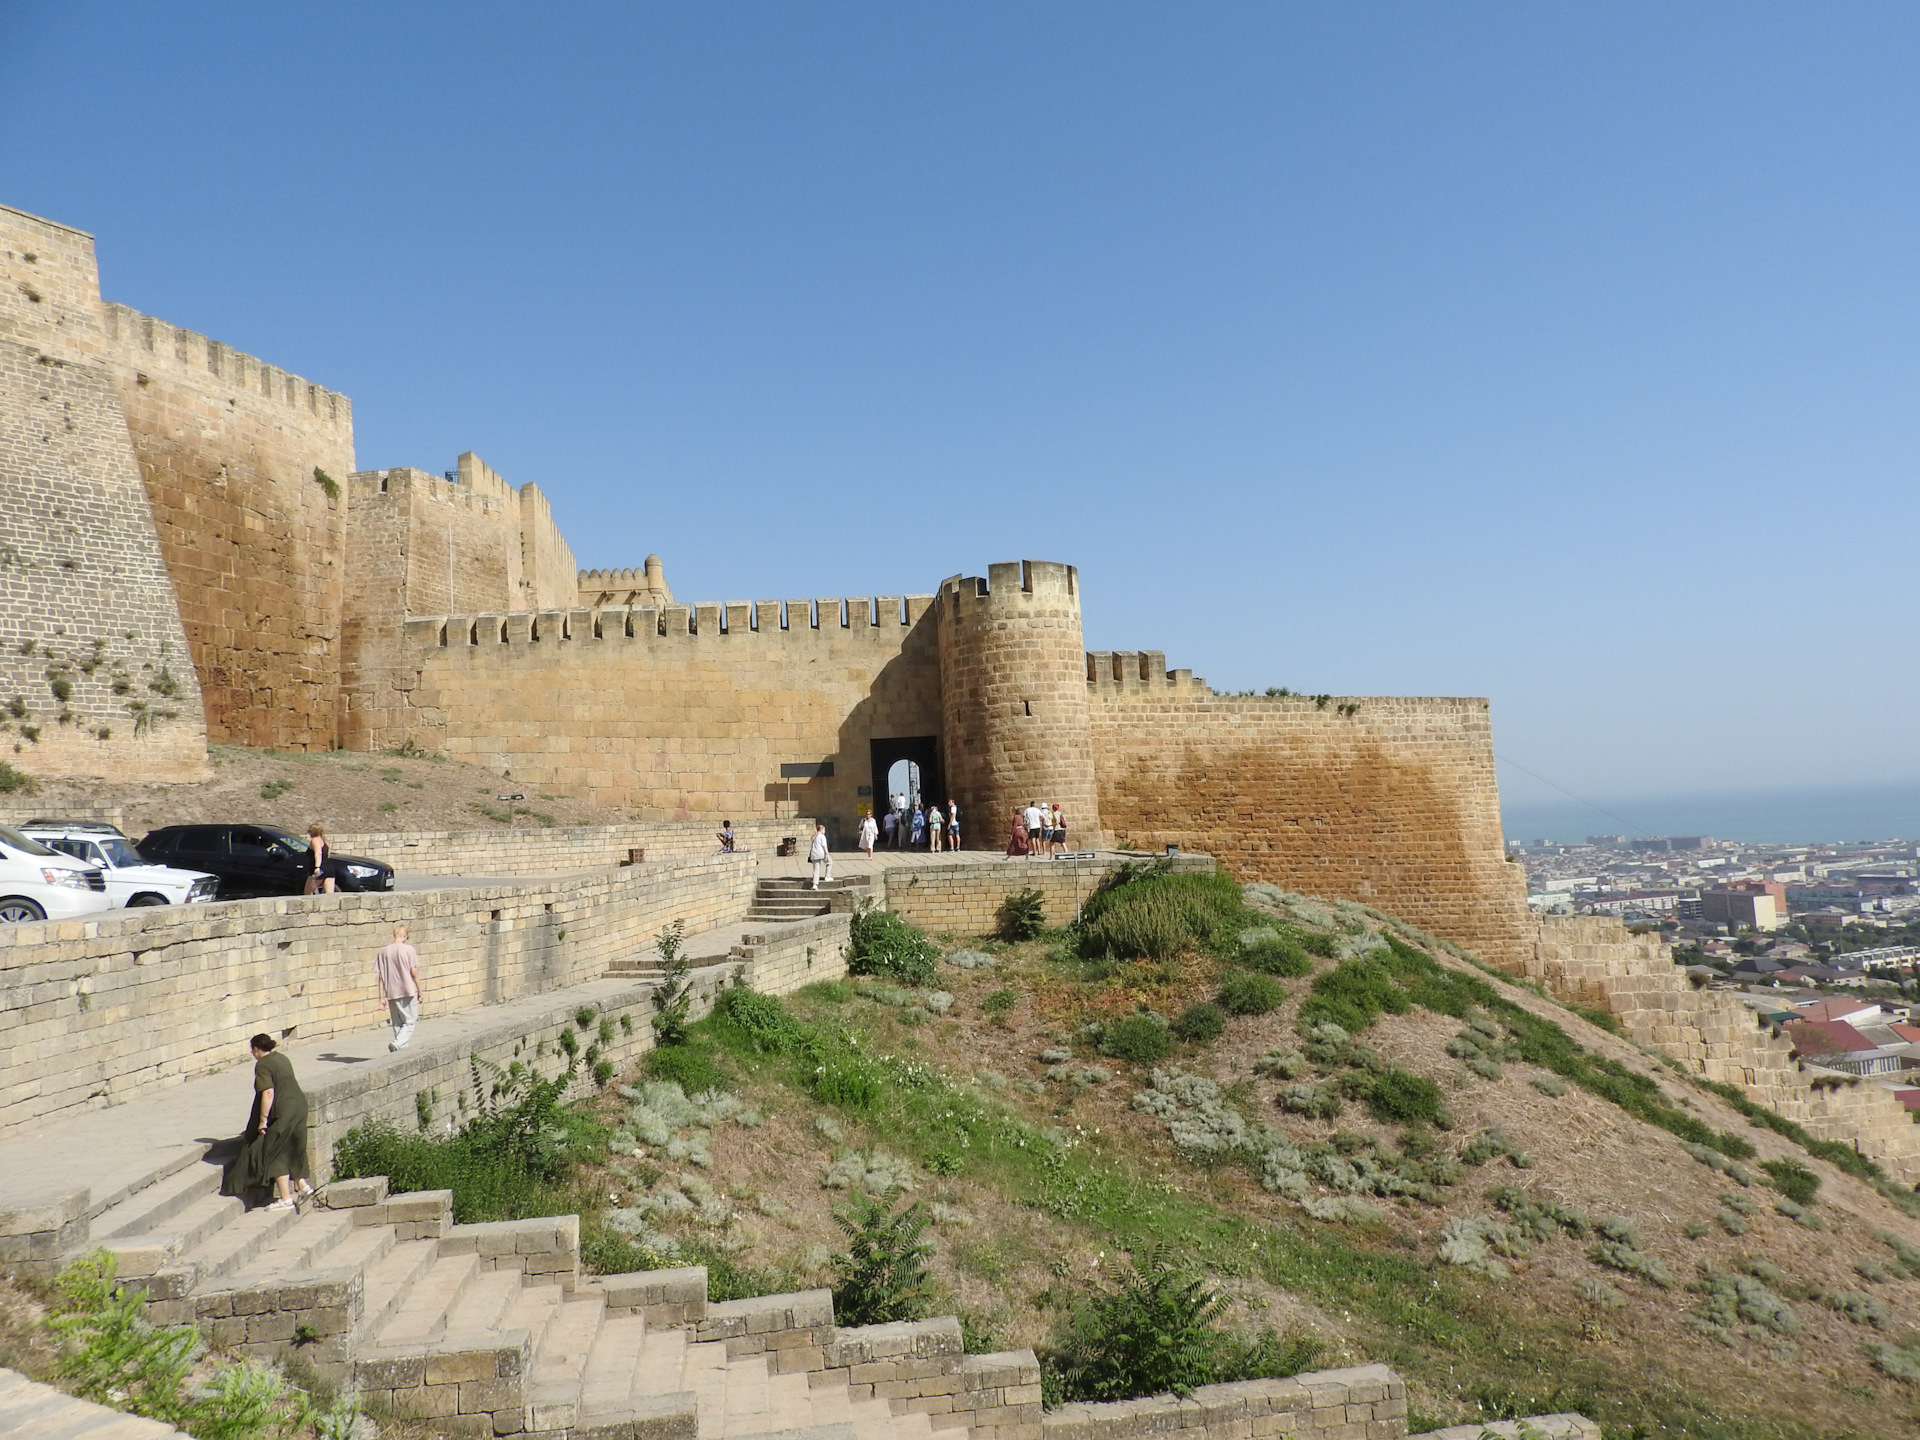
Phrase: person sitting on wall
(725,837)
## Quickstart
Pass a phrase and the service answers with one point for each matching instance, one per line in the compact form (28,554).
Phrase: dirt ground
(344,790)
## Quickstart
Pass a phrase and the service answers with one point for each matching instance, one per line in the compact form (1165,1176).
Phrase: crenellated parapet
(155,348)
(881,619)
(1131,672)
(635,585)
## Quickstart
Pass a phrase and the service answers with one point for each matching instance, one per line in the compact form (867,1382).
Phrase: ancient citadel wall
(1595,961)
(679,711)
(95,674)
(253,537)
(425,545)
(1393,804)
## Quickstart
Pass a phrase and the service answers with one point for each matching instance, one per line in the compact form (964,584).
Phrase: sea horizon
(1813,814)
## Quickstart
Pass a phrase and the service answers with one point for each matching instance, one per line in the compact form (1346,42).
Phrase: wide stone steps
(148,1209)
(449,1319)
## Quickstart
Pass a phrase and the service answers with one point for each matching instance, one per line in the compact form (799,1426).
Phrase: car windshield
(118,851)
(296,843)
(25,844)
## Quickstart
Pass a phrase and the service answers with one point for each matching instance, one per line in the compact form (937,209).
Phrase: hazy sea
(1811,815)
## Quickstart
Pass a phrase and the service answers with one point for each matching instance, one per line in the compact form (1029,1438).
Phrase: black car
(255,859)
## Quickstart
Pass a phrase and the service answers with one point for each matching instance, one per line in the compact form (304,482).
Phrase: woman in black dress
(274,1147)
(320,868)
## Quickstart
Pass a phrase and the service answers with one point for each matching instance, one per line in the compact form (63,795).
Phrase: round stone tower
(1013,690)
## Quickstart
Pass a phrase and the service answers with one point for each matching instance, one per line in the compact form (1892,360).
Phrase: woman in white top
(869,832)
(936,828)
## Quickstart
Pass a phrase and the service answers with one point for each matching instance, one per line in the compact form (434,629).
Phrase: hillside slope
(1519,1210)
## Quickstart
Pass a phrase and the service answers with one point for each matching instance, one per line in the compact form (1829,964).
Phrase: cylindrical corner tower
(1013,686)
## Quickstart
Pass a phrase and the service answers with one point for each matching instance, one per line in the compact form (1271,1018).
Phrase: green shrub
(1160,1331)
(14,782)
(1000,1004)
(1152,914)
(1023,915)
(274,789)
(1792,1179)
(883,944)
(691,1067)
(845,1080)
(1281,955)
(1143,1039)
(1200,1024)
(1246,993)
(1401,1097)
(1353,994)
(881,1278)
(760,1019)
(673,997)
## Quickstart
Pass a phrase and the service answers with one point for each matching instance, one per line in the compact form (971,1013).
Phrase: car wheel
(16,910)
(148,899)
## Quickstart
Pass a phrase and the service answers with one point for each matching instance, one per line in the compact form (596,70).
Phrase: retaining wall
(965,898)
(561,848)
(98,1010)
(1595,961)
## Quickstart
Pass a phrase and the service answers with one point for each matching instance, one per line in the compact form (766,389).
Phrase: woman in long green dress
(274,1147)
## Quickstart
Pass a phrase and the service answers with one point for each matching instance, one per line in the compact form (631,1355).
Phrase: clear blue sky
(1560,354)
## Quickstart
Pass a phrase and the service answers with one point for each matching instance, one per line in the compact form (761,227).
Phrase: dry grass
(343,790)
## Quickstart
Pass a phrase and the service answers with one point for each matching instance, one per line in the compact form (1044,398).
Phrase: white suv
(41,884)
(130,879)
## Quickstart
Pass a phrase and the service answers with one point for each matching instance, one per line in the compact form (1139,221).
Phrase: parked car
(130,879)
(41,884)
(255,859)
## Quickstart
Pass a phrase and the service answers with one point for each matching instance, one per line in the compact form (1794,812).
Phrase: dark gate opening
(920,751)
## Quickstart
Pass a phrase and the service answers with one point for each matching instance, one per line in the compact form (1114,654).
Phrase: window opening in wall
(495,914)
(383,484)
(503,632)
(443,637)
(1029,705)
(473,633)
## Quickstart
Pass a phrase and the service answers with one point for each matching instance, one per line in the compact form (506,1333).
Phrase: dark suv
(255,859)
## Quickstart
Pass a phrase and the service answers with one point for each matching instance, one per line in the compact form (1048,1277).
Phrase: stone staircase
(491,1329)
(793,897)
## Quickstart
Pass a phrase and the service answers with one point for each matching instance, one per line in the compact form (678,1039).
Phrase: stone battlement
(1121,671)
(883,616)
(159,347)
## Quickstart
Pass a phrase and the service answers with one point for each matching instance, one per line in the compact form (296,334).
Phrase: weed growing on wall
(14,782)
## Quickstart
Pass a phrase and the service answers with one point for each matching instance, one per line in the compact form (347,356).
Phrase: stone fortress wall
(233,452)
(95,670)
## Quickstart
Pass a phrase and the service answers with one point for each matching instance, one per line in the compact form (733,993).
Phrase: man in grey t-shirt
(397,968)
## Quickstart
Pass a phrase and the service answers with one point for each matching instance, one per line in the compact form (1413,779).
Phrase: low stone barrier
(553,850)
(1367,1402)
(964,898)
(97,1010)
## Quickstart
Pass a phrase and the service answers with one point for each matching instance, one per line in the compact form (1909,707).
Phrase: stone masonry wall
(425,545)
(1394,805)
(965,898)
(97,1010)
(552,851)
(254,541)
(677,712)
(1012,666)
(1595,961)
(95,677)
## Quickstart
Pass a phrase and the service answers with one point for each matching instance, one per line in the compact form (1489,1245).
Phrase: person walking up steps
(818,855)
(397,968)
(274,1148)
